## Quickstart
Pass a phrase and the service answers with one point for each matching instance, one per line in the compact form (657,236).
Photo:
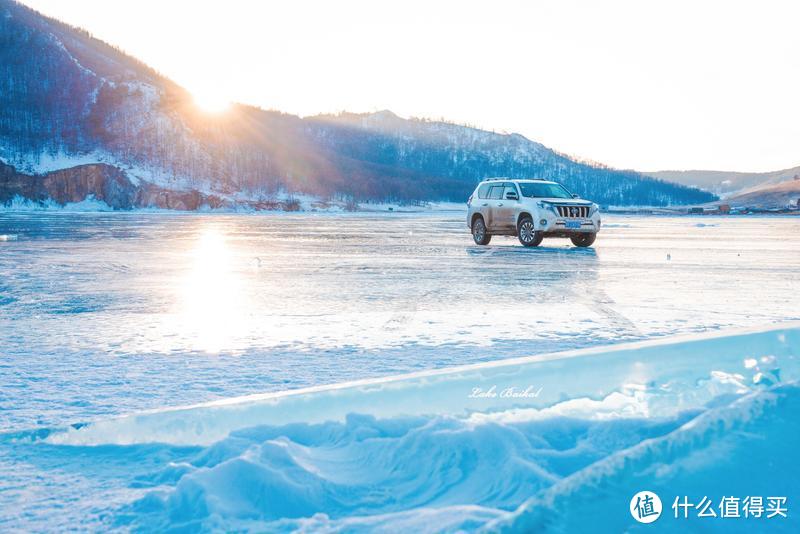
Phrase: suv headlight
(547,206)
(593,209)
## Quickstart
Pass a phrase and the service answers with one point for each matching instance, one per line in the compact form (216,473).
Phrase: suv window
(509,187)
(543,190)
(496,192)
(483,191)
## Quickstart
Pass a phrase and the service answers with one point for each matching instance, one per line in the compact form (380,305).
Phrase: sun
(210,101)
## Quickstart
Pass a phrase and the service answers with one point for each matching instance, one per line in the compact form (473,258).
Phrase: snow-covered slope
(727,183)
(770,196)
(67,99)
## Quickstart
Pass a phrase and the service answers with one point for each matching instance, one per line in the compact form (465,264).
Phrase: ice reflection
(211,299)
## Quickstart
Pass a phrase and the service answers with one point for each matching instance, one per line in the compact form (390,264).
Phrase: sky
(648,85)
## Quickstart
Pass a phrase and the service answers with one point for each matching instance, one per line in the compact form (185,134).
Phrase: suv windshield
(541,190)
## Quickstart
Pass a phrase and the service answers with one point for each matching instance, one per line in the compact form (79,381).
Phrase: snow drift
(435,451)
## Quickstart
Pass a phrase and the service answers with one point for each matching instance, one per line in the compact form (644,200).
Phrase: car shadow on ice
(516,250)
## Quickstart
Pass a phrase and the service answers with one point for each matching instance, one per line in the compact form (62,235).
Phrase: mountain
(68,100)
(725,183)
(779,195)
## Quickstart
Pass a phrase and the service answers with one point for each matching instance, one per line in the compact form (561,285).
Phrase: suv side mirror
(575,195)
(512,195)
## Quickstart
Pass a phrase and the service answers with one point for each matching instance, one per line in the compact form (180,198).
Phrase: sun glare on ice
(212,294)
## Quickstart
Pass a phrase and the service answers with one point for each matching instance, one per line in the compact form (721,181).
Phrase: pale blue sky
(636,84)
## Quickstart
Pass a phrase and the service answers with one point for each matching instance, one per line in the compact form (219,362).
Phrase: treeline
(464,154)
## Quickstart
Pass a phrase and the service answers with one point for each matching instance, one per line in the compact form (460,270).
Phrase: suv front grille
(573,212)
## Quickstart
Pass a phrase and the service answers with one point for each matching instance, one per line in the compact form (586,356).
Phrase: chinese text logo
(645,507)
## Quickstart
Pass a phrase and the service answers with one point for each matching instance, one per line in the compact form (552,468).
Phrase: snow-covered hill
(727,183)
(778,195)
(67,99)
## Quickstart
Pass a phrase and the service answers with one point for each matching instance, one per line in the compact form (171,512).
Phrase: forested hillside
(67,99)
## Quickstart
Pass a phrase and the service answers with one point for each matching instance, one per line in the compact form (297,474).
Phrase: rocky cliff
(104,183)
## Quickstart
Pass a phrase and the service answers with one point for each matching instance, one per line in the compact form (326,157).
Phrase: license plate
(574,224)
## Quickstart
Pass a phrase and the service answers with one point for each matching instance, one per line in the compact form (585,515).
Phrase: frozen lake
(105,314)
(109,314)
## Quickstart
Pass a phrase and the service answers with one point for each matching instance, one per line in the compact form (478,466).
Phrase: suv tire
(583,240)
(479,233)
(527,233)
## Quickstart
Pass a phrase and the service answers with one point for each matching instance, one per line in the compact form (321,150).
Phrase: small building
(724,208)
(696,211)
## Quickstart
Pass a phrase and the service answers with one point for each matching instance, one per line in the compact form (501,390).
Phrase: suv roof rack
(501,179)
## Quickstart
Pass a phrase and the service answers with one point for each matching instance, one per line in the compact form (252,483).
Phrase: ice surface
(102,315)
(106,314)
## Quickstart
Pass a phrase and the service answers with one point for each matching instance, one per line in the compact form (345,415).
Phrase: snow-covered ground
(103,315)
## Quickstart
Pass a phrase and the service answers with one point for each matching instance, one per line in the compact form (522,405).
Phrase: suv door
(506,209)
(491,202)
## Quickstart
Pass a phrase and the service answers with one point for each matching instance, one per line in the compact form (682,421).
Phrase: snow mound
(746,448)
(367,474)
(514,446)
(365,467)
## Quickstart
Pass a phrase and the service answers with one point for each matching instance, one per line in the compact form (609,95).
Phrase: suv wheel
(583,240)
(527,234)
(479,233)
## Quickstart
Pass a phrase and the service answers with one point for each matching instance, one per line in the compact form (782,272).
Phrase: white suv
(531,210)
